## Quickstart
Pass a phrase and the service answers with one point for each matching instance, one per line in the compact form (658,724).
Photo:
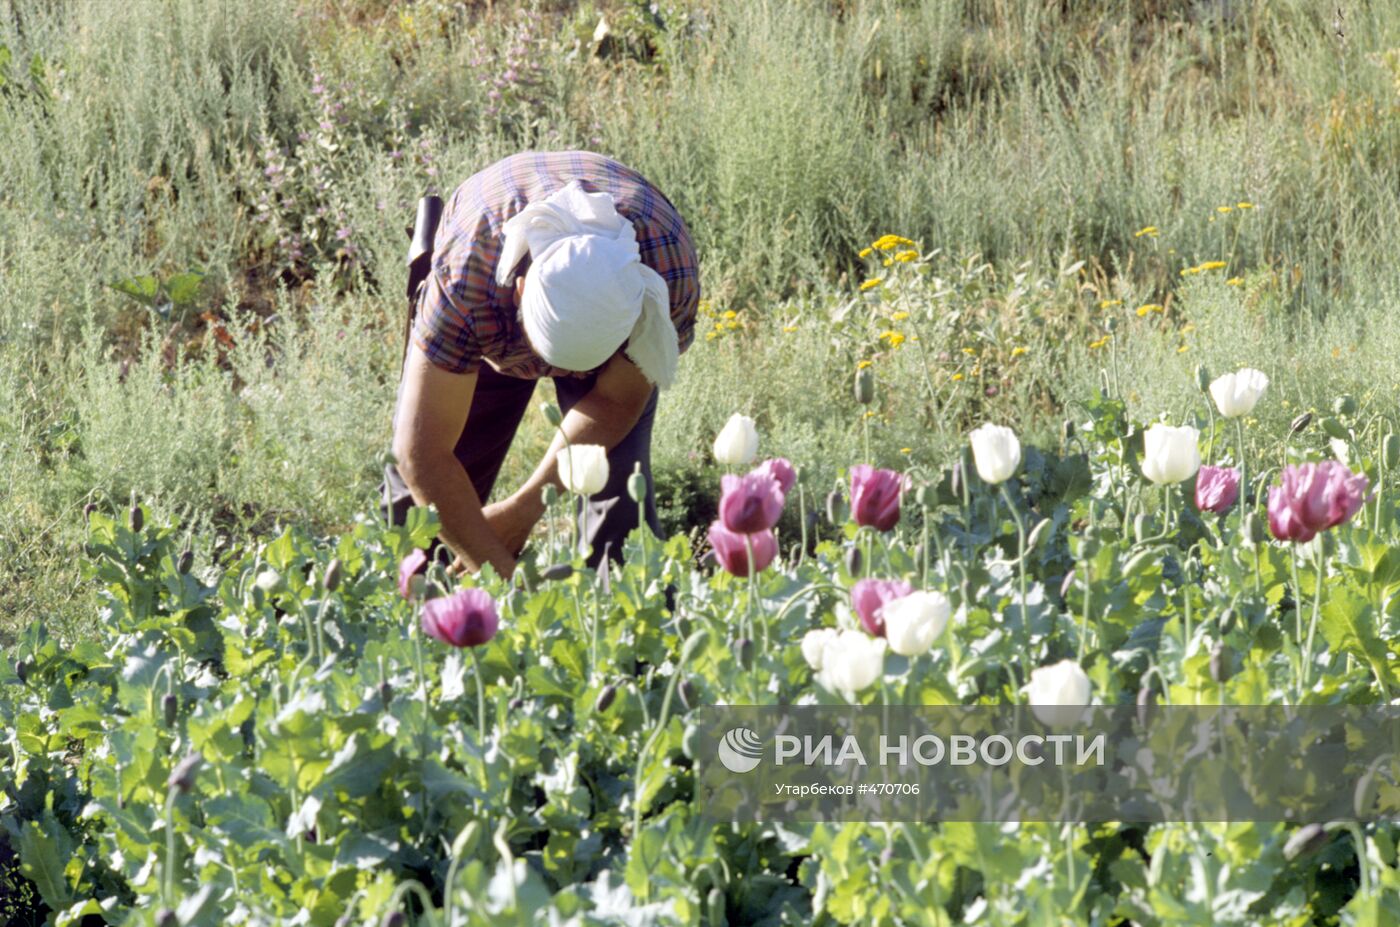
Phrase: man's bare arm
(604,416)
(433,407)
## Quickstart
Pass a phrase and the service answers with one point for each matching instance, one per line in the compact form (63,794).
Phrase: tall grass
(789,135)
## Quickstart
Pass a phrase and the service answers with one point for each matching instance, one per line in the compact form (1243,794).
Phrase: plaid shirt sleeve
(454,326)
(671,254)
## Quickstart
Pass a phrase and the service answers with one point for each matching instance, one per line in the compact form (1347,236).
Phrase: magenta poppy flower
(1313,497)
(466,618)
(410,567)
(1217,488)
(875,496)
(779,469)
(733,555)
(870,595)
(750,503)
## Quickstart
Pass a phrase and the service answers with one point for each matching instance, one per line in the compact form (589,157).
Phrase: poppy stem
(480,699)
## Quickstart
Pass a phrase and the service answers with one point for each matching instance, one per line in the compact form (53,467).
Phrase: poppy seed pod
(637,487)
(171,706)
(1344,406)
(605,698)
(138,519)
(186,561)
(865,386)
(386,693)
(855,562)
(332,578)
(549,495)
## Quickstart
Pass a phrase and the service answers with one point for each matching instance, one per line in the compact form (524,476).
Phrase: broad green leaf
(44,850)
(1348,626)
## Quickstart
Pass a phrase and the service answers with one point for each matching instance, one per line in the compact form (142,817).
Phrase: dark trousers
(498,405)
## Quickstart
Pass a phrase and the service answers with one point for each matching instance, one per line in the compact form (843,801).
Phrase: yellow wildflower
(1095,345)
(731,314)
(1213,265)
(970,352)
(957,377)
(1224,209)
(1188,328)
(861,365)
(789,329)
(866,252)
(906,450)
(900,316)
(890,242)
(869,413)
(1336,353)
(719,325)
(904,257)
(1149,230)
(1187,271)
(870,284)
(1183,349)
(1244,205)
(711,336)
(1109,303)
(889,262)
(1142,311)
(1017,351)
(1234,281)
(732,325)
(894,338)
(1150,307)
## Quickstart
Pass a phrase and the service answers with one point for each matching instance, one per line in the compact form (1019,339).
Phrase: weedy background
(202,211)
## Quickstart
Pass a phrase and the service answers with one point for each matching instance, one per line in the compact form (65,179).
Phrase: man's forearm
(441,480)
(593,420)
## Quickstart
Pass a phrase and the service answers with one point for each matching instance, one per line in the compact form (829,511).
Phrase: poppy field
(332,730)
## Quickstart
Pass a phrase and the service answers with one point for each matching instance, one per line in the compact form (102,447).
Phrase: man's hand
(513,518)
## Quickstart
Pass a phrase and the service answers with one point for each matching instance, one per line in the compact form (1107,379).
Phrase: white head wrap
(587,290)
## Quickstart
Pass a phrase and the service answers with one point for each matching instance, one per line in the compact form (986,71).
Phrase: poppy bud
(1334,429)
(549,495)
(1344,405)
(171,706)
(715,905)
(743,652)
(182,776)
(836,510)
(22,671)
(167,918)
(1300,423)
(1140,527)
(1364,797)
(926,495)
(88,510)
(138,519)
(1390,451)
(332,578)
(605,698)
(865,386)
(515,703)
(1146,705)
(1222,663)
(1202,378)
(1305,841)
(1227,620)
(686,690)
(386,693)
(1038,534)
(552,414)
(1067,584)
(1254,530)
(1067,430)
(182,566)
(393,919)
(855,562)
(690,741)
(557,571)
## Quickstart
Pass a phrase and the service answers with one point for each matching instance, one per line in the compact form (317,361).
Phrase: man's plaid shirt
(464,318)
